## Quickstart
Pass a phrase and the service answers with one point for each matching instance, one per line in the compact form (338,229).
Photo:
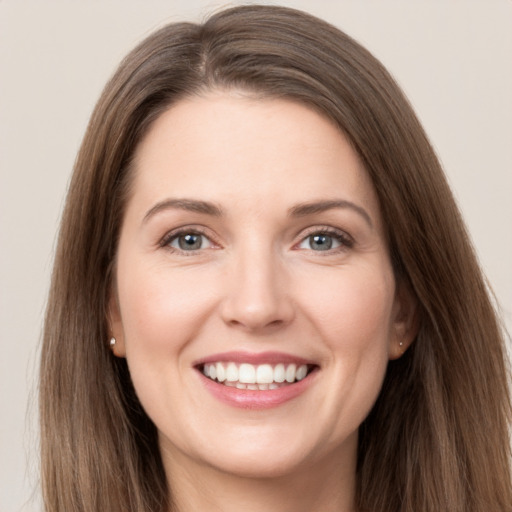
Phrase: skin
(256,284)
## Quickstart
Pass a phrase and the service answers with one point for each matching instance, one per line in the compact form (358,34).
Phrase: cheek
(355,321)
(354,309)
(161,310)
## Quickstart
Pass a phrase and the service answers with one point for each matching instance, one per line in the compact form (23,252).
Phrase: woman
(264,295)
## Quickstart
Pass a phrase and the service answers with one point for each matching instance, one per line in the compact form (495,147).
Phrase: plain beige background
(453,59)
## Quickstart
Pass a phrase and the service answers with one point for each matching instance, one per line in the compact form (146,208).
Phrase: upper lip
(254,358)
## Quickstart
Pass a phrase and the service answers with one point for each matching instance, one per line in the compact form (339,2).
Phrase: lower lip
(251,399)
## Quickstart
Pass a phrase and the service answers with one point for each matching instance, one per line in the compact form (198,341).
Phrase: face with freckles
(254,298)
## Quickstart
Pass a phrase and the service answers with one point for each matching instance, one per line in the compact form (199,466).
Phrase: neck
(327,486)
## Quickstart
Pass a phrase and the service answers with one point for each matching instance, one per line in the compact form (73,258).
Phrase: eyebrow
(191,205)
(310,208)
(300,210)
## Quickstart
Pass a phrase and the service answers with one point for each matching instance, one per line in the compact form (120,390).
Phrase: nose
(258,298)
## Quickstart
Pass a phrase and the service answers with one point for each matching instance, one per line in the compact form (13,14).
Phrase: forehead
(226,146)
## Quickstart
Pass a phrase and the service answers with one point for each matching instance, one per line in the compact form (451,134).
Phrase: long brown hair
(437,438)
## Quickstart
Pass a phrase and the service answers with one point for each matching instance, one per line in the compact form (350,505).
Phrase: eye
(187,241)
(325,241)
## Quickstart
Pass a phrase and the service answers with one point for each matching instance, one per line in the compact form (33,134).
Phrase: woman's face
(253,250)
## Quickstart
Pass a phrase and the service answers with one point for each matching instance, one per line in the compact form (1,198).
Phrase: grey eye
(320,242)
(189,242)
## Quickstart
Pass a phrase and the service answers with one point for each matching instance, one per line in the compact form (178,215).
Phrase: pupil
(321,242)
(191,241)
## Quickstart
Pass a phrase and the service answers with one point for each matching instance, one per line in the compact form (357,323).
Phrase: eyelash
(345,240)
(173,235)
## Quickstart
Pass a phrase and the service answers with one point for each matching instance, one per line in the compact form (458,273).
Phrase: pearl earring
(112,341)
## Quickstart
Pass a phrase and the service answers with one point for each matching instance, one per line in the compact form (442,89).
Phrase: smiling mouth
(262,377)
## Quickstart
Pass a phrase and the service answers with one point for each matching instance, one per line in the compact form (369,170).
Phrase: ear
(116,326)
(405,321)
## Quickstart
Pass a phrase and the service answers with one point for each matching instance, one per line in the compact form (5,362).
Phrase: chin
(259,466)
(282,454)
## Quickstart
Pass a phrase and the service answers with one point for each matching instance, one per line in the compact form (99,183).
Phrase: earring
(112,341)
(401,343)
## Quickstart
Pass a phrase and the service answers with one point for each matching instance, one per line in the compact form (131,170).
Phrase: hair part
(437,437)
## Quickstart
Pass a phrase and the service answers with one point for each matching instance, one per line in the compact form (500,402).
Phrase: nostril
(256,320)
(256,304)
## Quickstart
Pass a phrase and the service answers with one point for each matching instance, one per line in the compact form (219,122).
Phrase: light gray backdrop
(454,60)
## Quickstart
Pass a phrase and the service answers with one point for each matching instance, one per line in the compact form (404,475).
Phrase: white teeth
(232,372)
(302,371)
(290,373)
(279,373)
(221,372)
(264,374)
(249,376)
